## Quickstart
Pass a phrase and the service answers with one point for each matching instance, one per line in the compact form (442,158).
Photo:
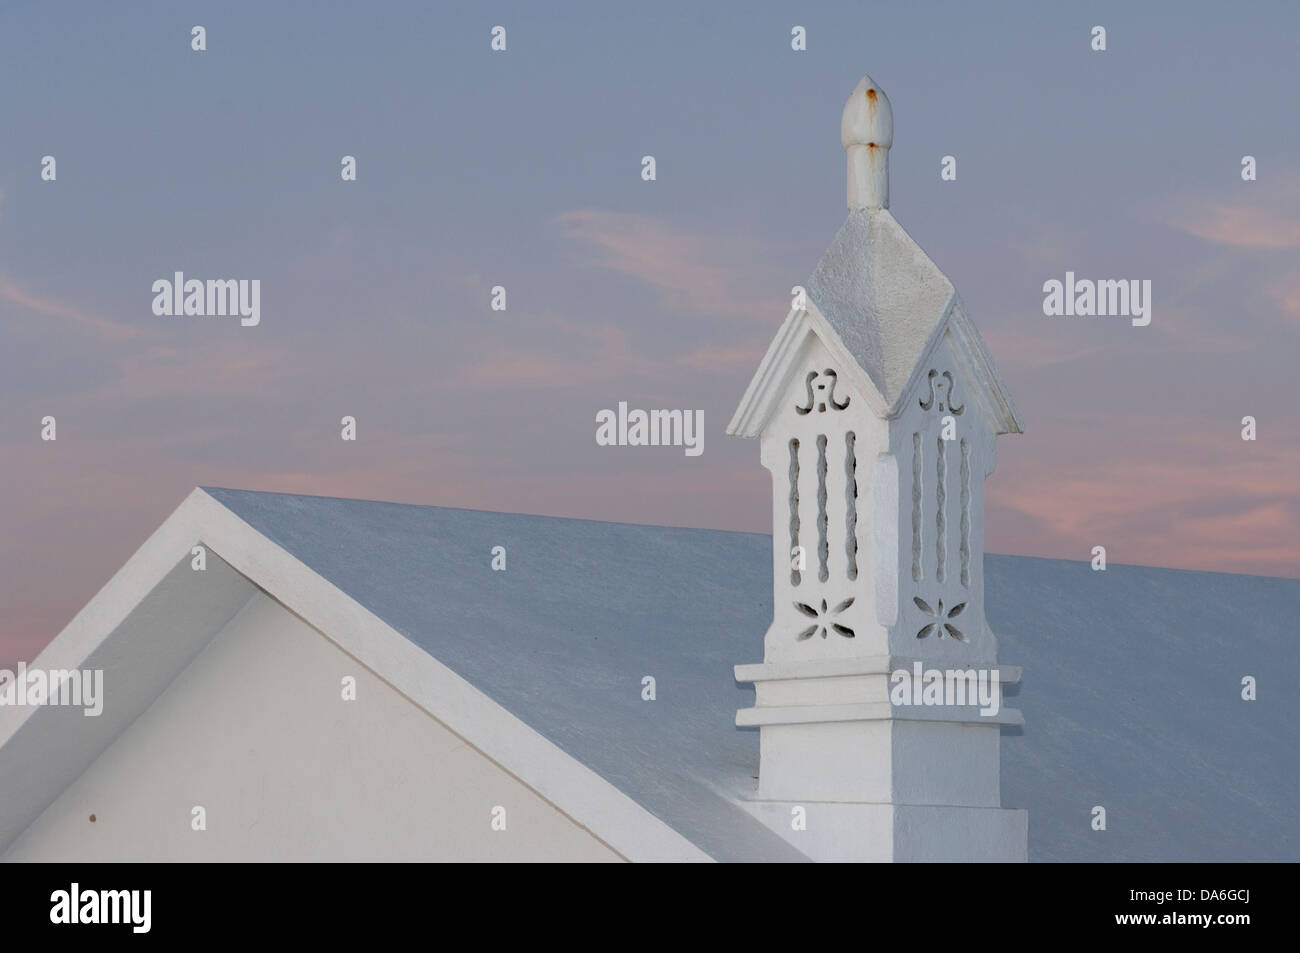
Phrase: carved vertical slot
(851,503)
(965,512)
(916,507)
(794,512)
(940,524)
(823,544)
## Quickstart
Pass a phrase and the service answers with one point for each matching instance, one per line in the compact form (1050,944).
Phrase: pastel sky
(522,169)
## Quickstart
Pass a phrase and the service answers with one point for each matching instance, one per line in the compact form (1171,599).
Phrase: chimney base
(837,832)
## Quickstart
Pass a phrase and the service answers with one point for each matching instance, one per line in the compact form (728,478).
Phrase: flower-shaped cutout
(942,624)
(822,616)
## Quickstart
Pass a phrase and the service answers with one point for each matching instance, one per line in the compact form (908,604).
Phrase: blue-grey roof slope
(1131,693)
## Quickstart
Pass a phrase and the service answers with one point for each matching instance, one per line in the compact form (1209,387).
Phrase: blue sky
(523,169)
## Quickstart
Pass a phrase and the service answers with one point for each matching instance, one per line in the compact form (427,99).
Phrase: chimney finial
(867,132)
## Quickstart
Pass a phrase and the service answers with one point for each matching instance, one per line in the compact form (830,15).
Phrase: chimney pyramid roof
(875,298)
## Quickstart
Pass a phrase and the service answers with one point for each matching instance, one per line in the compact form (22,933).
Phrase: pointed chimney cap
(868,118)
(867,132)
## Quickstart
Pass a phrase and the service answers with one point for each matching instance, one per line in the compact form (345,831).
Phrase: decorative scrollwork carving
(824,395)
(940,396)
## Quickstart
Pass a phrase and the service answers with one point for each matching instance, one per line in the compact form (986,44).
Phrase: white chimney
(878,409)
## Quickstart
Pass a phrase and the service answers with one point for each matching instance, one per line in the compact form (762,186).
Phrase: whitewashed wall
(940,514)
(255,731)
(834,509)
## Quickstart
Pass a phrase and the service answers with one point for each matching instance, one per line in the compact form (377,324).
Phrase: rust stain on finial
(866,132)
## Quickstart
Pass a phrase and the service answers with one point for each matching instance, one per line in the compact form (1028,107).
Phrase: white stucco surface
(255,730)
(883,296)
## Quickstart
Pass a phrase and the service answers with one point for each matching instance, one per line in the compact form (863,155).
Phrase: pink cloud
(1265,221)
(1284,291)
(1197,501)
(694,274)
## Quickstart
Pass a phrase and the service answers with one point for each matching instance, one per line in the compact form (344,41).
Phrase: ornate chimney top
(877,409)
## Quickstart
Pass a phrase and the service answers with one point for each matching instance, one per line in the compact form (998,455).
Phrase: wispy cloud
(1048,249)
(1263,220)
(694,274)
(587,354)
(725,356)
(1044,348)
(47,307)
(244,367)
(1196,502)
(1284,291)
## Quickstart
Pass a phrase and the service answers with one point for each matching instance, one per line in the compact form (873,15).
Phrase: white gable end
(256,733)
(802,330)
